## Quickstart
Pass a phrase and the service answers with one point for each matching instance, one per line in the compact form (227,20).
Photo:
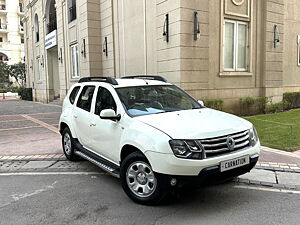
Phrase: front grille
(218,145)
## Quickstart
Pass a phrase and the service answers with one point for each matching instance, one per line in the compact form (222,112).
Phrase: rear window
(74,94)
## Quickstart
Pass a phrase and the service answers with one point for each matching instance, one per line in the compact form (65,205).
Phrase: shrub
(277,107)
(214,104)
(25,93)
(253,105)
(292,98)
(2,90)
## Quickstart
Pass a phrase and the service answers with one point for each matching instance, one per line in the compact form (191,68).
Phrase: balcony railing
(72,13)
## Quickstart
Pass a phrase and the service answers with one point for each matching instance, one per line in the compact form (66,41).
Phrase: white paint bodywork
(151,133)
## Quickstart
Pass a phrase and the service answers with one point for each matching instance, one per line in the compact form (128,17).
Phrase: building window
(22,40)
(1,39)
(74,61)
(72,10)
(236,45)
(36,28)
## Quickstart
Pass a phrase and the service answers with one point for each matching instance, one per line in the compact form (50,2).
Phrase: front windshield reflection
(145,100)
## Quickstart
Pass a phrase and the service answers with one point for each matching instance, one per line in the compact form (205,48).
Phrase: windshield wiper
(164,111)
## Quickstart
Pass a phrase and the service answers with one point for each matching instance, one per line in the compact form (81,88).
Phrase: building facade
(214,49)
(12,31)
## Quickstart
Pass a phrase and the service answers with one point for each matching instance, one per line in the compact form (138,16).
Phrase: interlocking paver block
(294,168)
(292,164)
(264,164)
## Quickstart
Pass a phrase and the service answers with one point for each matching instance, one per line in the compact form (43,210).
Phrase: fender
(65,118)
(151,139)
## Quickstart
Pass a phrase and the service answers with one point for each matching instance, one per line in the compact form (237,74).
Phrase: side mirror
(109,114)
(201,102)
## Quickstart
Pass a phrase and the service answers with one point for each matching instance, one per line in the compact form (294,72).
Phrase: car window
(144,100)
(85,99)
(104,100)
(73,94)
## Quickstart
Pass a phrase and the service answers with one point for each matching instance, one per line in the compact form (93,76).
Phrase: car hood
(196,124)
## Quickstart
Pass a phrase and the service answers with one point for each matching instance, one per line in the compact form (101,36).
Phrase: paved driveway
(28,128)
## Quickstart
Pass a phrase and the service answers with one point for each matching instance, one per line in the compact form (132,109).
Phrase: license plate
(234,163)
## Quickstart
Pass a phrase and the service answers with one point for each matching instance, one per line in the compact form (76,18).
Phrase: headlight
(188,149)
(253,138)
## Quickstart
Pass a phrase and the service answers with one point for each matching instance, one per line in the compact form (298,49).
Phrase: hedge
(25,93)
(214,104)
(292,99)
(253,105)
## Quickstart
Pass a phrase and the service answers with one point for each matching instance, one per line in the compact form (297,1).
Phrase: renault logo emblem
(230,143)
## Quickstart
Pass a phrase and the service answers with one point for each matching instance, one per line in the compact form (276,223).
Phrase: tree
(18,72)
(4,73)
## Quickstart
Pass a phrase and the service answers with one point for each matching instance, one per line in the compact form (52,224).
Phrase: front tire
(139,181)
(68,145)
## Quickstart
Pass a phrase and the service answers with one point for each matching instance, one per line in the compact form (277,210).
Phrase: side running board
(104,164)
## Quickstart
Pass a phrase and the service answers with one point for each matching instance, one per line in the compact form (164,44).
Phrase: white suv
(153,135)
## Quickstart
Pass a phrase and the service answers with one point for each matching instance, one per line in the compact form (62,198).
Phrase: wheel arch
(127,149)
(62,126)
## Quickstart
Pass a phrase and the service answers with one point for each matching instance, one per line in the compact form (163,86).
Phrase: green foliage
(214,104)
(293,99)
(253,105)
(277,107)
(4,73)
(25,93)
(18,72)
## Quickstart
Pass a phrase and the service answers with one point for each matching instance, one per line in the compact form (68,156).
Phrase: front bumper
(208,175)
(171,165)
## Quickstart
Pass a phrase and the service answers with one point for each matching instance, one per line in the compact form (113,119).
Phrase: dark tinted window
(85,99)
(73,94)
(104,101)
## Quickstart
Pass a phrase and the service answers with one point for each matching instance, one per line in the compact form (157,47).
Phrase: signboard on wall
(51,40)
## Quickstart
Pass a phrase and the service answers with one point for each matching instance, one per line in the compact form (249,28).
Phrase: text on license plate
(234,163)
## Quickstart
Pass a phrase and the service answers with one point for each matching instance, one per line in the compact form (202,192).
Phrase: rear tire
(68,145)
(139,181)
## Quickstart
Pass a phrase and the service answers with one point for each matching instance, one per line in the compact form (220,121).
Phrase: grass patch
(278,130)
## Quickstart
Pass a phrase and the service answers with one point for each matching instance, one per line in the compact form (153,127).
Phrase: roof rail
(146,77)
(109,80)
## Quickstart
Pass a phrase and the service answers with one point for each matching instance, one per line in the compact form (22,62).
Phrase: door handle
(92,124)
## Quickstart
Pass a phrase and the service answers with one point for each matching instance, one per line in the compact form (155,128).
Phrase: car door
(105,134)
(82,115)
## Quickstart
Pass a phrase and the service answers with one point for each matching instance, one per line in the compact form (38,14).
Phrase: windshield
(145,100)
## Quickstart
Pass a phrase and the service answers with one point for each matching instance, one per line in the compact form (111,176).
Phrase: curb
(267,184)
